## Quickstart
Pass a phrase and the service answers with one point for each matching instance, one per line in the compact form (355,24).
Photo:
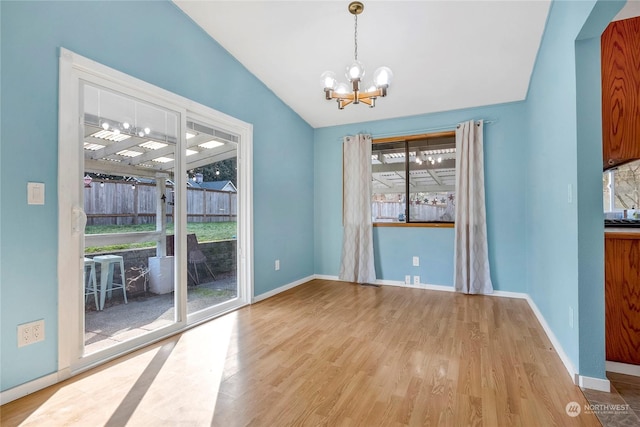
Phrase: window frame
(406,139)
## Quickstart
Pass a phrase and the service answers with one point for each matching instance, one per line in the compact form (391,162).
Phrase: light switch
(35,193)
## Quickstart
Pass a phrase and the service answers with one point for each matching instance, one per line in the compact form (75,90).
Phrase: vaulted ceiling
(445,55)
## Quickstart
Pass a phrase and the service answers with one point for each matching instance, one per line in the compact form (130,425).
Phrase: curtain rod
(433,129)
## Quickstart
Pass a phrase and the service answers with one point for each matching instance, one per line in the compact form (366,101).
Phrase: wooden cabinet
(620,45)
(622,297)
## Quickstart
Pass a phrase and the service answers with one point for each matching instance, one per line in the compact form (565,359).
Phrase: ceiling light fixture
(355,72)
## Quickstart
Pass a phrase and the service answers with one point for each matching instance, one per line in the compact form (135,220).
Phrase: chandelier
(346,95)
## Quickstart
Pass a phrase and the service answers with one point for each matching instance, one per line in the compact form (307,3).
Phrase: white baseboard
(554,341)
(283,288)
(28,388)
(412,286)
(623,368)
(509,294)
(594,383)
(393,283)
(327,277)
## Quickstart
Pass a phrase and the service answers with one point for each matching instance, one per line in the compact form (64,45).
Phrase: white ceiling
(630,10)
(445,55)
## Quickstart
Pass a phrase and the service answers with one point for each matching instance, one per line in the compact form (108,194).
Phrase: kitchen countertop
(622,232)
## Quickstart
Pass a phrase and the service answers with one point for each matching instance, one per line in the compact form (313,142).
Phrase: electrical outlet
(29,333)
(416,280)
(277,266)
(416,261)
(407,279)
(37,331)
(24,334)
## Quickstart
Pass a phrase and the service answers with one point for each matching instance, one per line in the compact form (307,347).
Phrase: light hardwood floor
(335,354)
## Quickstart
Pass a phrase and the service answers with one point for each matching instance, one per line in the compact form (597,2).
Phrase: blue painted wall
(394,248)
(565,234)
(158,43)
(551,153)
(590,213)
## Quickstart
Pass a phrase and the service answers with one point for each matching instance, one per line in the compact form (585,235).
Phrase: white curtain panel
(356,264)
(471,272)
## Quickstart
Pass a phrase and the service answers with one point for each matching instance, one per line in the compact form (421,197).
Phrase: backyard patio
(146,311)
(151,307)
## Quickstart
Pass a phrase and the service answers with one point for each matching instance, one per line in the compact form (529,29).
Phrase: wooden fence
(121,203)
(390,211)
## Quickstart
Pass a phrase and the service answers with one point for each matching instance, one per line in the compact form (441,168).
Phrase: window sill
(415,224)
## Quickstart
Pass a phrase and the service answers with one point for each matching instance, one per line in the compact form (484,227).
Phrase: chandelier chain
(355,37)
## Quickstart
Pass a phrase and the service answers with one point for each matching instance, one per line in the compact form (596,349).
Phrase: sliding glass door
(129,186)
(155,215)
(212,218)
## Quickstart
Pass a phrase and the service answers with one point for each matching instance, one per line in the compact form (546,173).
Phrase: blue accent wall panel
(564,204)
(155,42)
(590,210)
(551,154)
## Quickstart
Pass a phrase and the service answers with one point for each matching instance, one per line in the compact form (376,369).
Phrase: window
(621,191)
(413,179)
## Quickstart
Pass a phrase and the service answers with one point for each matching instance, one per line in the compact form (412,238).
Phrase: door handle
(78,220)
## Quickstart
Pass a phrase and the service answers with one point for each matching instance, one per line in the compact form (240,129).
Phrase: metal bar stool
(107,265)
(90,287)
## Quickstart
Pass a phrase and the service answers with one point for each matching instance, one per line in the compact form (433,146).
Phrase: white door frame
(73,71)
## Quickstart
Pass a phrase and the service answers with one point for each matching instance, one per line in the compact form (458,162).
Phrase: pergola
(131,138)
(431,162)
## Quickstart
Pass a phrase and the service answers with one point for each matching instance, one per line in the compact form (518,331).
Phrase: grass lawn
(205,231)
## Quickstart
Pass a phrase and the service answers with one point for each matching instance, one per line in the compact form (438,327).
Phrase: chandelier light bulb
(147,131)
(328,80)
(342,89)
(105,125)
(355,71)
(141,134)
(126,125)
(382,77)
(116,131)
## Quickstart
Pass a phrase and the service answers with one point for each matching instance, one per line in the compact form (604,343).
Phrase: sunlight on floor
(153,386)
